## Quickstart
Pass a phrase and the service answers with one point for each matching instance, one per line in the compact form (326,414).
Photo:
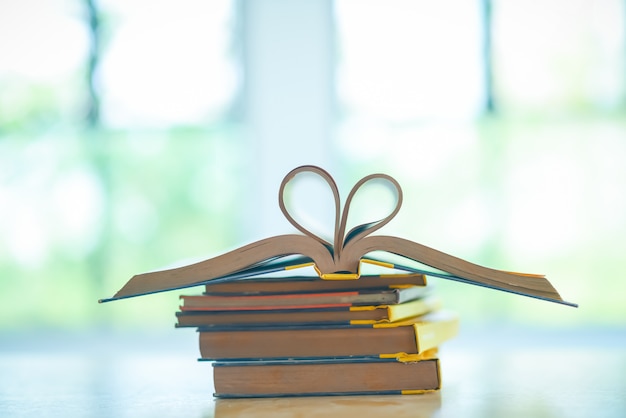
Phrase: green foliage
(82,213)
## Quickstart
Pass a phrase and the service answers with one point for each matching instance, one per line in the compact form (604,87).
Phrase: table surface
(499,372)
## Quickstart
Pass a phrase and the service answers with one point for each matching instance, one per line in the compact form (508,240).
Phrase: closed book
(301,300)
(311,284)
(395,339)
(357,376)
(345,315)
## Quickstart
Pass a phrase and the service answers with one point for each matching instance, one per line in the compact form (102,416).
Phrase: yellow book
(394,313)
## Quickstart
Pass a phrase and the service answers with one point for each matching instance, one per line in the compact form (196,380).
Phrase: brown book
(311,284)
(339,315)
(337,260)
(410,337)
(325,377)
(301,300)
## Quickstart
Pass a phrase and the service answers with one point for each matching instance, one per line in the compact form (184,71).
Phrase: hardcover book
(403,339)
(301,300)
(346,315)
(311,284)
(357,376)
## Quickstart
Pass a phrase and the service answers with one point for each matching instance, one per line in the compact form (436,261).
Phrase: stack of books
(336,331)
(307,336)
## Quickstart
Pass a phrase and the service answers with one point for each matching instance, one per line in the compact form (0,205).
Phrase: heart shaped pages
(341,239)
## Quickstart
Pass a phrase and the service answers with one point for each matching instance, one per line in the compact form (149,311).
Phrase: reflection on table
(416,406)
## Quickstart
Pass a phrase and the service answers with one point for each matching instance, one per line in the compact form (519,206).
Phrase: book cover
(301,300)
(345,315)
(311,284)
(357,376)
(403,339)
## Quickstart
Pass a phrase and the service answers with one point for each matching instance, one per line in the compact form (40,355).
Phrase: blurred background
(135,134)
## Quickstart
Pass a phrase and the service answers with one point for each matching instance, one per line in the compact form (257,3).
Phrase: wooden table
(501,372)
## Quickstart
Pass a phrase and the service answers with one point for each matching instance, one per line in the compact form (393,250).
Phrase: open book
(340,259)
